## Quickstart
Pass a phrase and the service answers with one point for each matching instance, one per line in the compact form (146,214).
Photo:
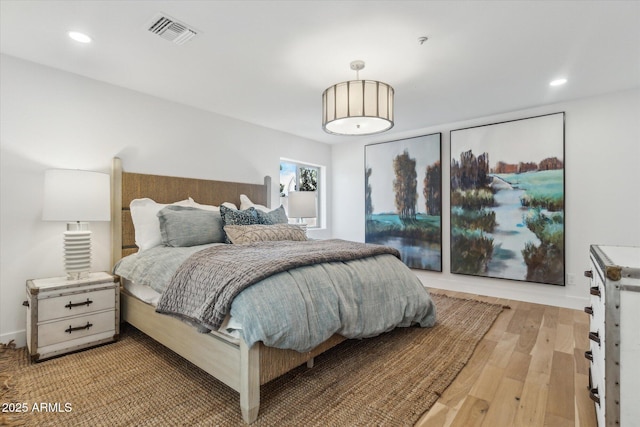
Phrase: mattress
(297,308)
(142,292)
(230,327)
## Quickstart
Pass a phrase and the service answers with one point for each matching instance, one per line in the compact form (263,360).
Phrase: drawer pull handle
(589,356)
(79,328)
(594,336)
(588,274)
(88,302)
(595,291)
(593,394)
(589,310)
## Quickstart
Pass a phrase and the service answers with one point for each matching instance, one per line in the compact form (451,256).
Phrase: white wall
(602,158)
(54,119)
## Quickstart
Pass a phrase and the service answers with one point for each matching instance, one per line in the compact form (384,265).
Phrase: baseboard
(19,338)
(534,293)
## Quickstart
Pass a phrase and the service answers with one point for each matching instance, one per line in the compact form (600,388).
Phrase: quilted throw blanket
(203,288)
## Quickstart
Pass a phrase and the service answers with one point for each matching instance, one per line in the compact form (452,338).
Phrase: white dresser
(614,334)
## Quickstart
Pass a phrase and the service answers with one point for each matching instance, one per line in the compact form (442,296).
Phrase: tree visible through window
(296,176)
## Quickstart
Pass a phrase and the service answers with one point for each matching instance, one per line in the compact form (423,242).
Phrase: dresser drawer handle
(595,291)
(594,336)
(589,310)
(588,355)
(88,302)
(593,394)
(588,274)
(79,328)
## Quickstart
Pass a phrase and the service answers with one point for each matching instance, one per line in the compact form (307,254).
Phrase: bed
(241,366)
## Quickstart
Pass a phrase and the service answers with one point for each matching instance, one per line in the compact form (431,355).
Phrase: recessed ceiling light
(79,37)
(558,82)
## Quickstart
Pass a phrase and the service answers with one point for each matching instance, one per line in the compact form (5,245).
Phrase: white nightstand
(68,315)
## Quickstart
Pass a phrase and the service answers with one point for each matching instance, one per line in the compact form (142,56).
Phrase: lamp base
(77,250)
(77,275)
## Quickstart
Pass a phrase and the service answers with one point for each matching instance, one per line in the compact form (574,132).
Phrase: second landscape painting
(507,200)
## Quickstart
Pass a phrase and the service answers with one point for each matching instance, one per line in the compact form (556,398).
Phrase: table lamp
(76,196)
(302,204)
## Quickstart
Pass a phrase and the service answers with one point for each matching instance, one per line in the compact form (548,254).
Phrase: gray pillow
(186,226)
(276,216)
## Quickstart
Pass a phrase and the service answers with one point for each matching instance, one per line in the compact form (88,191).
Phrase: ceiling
(268,62)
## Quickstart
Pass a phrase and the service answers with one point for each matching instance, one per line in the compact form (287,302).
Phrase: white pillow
(211,207)
(144,213)
(246,203)
(204,207)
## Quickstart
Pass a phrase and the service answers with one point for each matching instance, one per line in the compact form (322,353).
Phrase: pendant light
(357,107)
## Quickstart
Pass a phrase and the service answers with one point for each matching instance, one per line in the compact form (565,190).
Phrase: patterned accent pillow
(276,216)
(239,234)
(236,217)
(182,226)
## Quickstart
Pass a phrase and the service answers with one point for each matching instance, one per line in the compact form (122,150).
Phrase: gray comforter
(300,307)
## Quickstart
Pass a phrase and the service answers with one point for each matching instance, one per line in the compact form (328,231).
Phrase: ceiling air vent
(172,30)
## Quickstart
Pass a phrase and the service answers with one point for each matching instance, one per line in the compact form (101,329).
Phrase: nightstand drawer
(76,304)
(75,327)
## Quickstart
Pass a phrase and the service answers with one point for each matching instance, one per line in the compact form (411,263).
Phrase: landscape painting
(403,199)
(507,200)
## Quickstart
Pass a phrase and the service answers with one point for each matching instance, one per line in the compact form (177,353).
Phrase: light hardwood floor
(528,370)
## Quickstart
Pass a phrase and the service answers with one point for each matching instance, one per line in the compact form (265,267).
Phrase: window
(296,176)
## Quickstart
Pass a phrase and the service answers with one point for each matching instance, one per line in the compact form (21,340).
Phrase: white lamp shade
(357,107)
(302,204)
(76,195)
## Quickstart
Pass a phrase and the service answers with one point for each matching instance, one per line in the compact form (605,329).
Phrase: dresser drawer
(596,319)
(76,304)
(76,327)
(596,307)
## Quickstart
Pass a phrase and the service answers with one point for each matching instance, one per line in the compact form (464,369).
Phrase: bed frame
(231,361)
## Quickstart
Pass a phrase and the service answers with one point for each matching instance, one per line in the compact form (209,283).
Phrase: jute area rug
(388,380)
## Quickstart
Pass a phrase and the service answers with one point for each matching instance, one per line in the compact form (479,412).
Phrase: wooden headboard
(126,186)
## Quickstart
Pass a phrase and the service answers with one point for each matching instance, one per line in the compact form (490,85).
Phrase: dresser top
(618,262)
(623,256)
